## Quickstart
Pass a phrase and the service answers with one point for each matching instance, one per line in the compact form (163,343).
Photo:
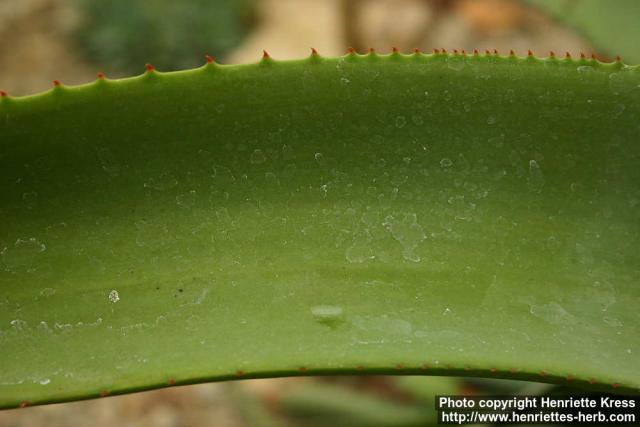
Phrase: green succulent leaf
(411,214)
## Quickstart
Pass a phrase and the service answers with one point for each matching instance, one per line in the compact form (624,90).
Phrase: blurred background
(71,40)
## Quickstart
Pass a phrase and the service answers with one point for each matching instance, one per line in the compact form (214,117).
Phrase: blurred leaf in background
(612,26)
(172,35)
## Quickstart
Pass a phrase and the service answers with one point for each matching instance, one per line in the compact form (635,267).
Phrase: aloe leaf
(410,214)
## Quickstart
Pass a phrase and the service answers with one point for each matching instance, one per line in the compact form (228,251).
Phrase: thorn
(399,366)
(360,367)
(542,373)
(552,54)
(464,52)
(351,51)
(3,93)
(436,51)
(582,55)
(372,51)
(394,49)
(618,59)
(487,52)
(615,385)
(475,52)
(567,55)
(100,75)
(513,370)
(455,52)
(149,68)
(417,50)
(171,381)
(24,404)
(530,53)
(445,51)
(314,52)
(265,55)
(56,83)
(495,52)
(512,53)
(302,369)
(104,393)
(210,59)
(240,373)
(592,381)
(493,370)
(593,56)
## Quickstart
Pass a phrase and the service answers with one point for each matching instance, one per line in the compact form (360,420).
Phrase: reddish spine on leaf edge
(3,93)
(314,52)
(100,75)
(265,55)
(150,68)
(210,59)
(56,83)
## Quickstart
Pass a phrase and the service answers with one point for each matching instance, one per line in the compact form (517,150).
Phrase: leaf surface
(411,214)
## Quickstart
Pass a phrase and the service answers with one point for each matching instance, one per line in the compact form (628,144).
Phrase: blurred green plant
(612,26)
(120,34)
